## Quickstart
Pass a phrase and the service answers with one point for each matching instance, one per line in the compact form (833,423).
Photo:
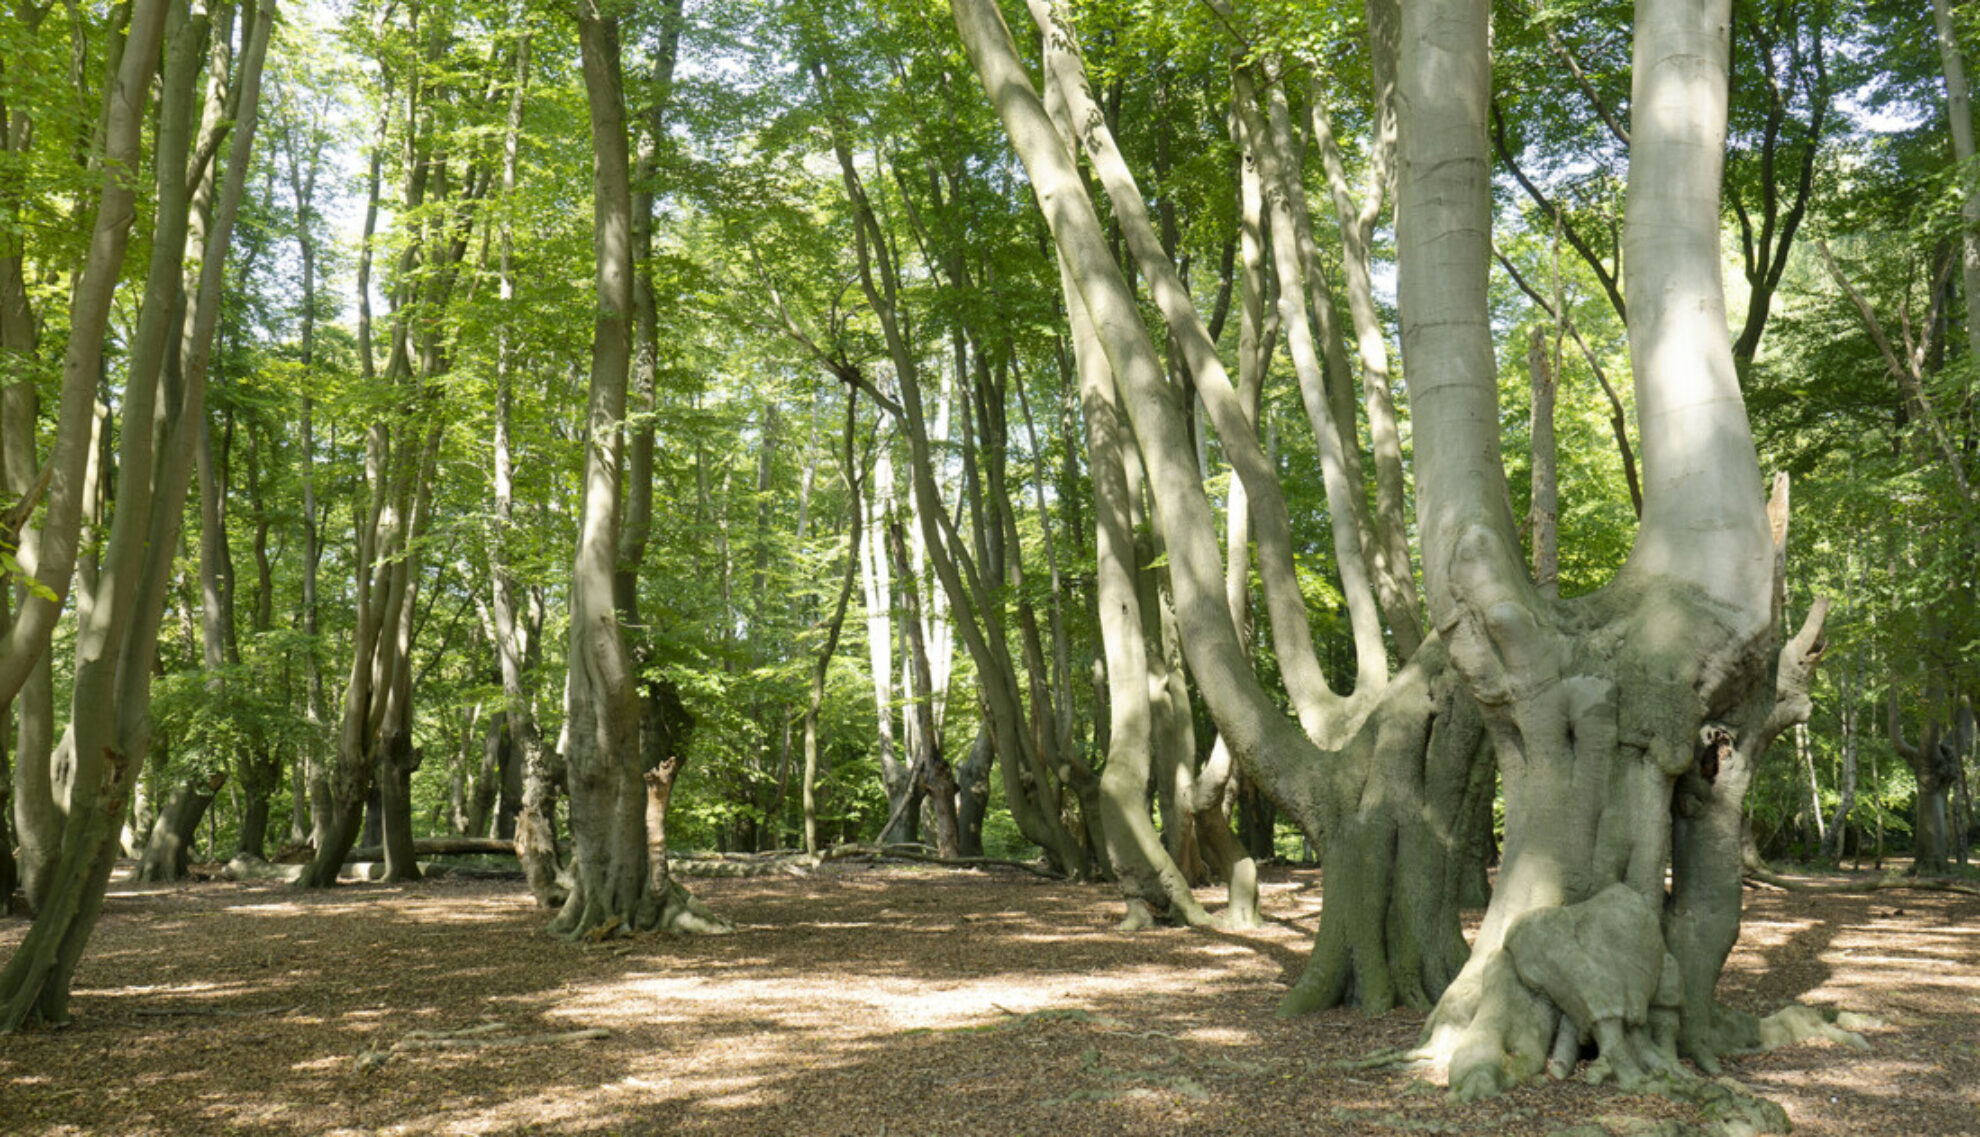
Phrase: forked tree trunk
(1597,708)
(1315,787)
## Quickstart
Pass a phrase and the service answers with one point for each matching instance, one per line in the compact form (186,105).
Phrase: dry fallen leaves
(904,1000)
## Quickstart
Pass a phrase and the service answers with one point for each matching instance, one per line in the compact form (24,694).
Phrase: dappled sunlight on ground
(857,1001)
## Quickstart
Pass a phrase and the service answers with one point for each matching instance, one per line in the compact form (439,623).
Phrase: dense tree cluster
(1147,440)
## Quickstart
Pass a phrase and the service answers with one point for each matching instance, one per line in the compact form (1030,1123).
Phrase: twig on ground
(215,1012)
(469,1040)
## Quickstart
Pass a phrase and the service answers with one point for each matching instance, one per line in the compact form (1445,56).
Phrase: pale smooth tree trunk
(821,668)
(535,837)
(1031,788)
(1313,786)
(876,592)
(1667,673)
(50,555)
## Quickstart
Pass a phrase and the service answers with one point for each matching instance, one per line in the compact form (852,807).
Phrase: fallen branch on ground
(1847,888)
(922,854)
(726,865)
(441,847)
(471,1040)
(215,1012)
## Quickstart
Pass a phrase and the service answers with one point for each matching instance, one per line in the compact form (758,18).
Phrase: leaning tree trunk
(169,847)
(117,637)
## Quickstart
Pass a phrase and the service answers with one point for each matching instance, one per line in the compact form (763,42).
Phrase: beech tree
(199,192)
(1626,722)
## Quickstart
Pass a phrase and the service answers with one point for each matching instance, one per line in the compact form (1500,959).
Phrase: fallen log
(1860,887)
(441,847)
(924,855)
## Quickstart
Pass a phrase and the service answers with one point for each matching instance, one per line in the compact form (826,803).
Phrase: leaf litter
(858,1000)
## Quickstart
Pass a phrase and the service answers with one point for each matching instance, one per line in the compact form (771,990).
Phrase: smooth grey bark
(815,699)
(1031,787)
(19,403)
(50,555)
(1321,366)
(1959,117)
(1390,561)
(531,822)
(929,769)
(301,146)
(1313,786)
(1630,689)
(1149,878)
(608,821)
(876,592)
(1312,697)
(1710,826)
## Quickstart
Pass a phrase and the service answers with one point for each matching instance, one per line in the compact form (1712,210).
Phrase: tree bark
(170,844)
(617,808)
(1313,787)
(117,637)
(1544,515)
(1685,629)
(1959,117)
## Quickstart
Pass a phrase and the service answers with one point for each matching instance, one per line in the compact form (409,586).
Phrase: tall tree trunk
(815,701)
(930,770)
(618,810)
(117,637)
(876,593)
(1312,786)
(1544,513)
(1959,116)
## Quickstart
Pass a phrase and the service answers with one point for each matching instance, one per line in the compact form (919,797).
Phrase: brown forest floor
(871,1002)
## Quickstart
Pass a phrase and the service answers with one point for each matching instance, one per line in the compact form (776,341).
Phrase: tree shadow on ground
(861,1002)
